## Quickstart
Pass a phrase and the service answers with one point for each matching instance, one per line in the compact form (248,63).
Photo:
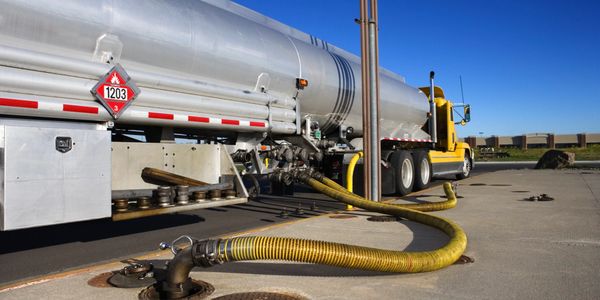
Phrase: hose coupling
(282,177)
(241,156)
(317,175)
(307,174)
(206,253)
(324,144)
(302,176)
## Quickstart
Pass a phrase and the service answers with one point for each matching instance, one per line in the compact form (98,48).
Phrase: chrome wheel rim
(407,173)
(466,167)
(425,172)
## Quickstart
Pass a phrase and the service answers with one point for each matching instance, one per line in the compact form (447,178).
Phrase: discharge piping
(211,252)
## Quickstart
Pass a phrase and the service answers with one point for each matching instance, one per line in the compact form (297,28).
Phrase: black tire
(404,171)
(466,169)
(423,171)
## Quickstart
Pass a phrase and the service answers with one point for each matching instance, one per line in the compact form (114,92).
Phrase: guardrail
(535,140)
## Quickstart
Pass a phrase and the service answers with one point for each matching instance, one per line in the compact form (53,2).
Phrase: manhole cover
(342,216)
(200,290)
(477,184)
(384,219)
(259,296)
(101,280)
(521,191)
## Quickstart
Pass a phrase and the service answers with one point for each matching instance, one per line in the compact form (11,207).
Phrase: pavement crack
(574,243)
(591,192)
(582,243)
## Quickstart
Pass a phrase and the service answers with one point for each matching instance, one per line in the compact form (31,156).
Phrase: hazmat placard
(116,91)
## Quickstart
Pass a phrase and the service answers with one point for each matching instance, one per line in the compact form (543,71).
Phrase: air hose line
(211,252)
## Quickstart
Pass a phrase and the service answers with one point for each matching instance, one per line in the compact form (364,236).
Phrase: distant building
(535,140)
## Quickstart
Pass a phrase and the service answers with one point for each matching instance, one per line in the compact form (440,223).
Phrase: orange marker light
(301,83)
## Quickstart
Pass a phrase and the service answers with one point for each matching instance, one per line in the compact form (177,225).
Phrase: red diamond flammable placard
(116,91)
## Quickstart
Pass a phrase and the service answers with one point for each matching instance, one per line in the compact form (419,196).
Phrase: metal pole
(366,116)
(374,104)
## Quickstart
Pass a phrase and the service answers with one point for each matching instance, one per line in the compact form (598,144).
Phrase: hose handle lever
(173,247)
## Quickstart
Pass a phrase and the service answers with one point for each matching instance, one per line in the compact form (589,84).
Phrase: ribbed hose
(450,202)
(349,256)
(350,174)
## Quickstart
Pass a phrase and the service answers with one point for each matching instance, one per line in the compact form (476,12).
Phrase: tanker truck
(127,109)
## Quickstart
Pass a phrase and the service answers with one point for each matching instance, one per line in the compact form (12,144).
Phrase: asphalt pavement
(51,249)
(39,251)
(518,248)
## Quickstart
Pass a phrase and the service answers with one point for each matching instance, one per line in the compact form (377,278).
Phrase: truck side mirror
(467,113)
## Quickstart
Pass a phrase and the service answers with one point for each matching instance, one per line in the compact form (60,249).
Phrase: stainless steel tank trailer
(94,92)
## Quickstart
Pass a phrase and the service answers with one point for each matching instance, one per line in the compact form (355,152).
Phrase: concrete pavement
(522,249)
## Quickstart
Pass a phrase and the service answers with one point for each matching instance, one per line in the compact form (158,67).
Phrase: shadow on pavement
(31,238)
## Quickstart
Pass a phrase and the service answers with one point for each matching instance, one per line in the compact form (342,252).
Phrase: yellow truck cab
(449,156)
(410,166)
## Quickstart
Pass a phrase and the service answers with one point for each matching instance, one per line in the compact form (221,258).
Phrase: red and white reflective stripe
(84,109)
(196,119)
(230,122)
(406,140)
(20,103)
(163,116)
(80,109)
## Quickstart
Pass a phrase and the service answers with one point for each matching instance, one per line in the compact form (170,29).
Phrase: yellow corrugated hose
(450,202)
(349,256)
(350,174)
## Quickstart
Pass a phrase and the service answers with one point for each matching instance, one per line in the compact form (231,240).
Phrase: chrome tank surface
(215,42)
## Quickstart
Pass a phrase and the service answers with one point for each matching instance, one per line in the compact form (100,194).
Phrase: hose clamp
(206,253)
(317,175)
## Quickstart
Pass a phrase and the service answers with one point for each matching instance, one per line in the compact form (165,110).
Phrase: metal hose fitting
(206,253)
(177,283)
(241,156)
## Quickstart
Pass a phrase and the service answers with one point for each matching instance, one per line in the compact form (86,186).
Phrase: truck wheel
(422,171)
(404,169)
(466,169)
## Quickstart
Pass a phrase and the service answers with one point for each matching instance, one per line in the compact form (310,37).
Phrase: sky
(527,66)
